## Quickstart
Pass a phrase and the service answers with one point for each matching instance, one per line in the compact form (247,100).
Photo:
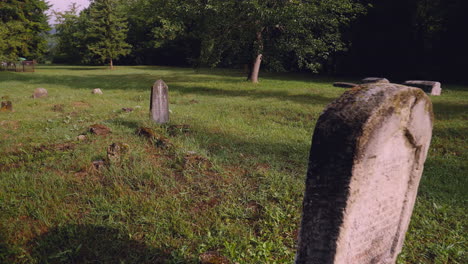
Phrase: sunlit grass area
(228,178)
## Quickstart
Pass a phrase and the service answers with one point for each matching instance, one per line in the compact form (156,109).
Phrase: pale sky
(62,5)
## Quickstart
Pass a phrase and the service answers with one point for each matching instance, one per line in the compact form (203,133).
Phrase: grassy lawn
(229,179)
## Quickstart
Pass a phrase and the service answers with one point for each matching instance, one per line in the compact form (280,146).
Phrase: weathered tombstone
(6,106)
(39,93)
(116,153)
(375,80)
(159,105)
(432,88)
(97,91)
(366,160)
(344,84)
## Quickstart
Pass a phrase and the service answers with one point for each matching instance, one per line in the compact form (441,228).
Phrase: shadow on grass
(75,68)
(5,251)
(447,111)
(194,85)
(94,244)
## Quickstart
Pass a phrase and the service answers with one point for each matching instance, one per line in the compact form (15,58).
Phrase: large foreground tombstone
(366,160)
(159,105)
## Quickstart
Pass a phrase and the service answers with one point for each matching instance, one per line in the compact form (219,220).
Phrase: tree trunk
(255,69)
(111,63)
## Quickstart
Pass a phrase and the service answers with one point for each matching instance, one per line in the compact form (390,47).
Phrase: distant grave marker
(375,80)
(6,106)
(159,104)
(366,160)
(432,88)
(97,91)
(40,93)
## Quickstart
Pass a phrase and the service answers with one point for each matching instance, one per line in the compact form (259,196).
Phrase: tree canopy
(392,38)
(23,27)
(287,34)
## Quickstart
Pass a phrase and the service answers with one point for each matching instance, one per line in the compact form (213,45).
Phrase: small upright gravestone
(6,106)
(97,91)
(432,88)
(159,104)
(366,160)
(40,93)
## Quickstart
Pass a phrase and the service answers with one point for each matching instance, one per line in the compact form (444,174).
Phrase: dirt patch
(10,125)
(58,108)
(205,205)
(100,130)
(80,104)
(22,158)
(193,162)
(262,167)
(29,228)
(159,140)
(11,166)
(213,257)
(55,147)
(175,130)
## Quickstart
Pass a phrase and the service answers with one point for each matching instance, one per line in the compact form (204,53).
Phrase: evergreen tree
(70,35)
(106,31)
(23,27)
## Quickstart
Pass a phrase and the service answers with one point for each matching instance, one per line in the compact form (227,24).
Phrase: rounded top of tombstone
(160,83)
(372,103)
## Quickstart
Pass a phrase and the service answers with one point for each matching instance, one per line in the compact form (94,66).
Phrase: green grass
(233,183)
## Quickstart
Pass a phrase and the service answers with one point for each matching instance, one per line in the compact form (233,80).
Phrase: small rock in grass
(6,107)
(40,93)
(81,138)
(99,130)
(116,151)
(98,164)
(213,257)
(97,91)
(127,109)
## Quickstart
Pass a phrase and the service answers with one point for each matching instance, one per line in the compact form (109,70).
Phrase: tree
(107,31)
(153,25)
(283,33)
(71,36)
(23,27)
